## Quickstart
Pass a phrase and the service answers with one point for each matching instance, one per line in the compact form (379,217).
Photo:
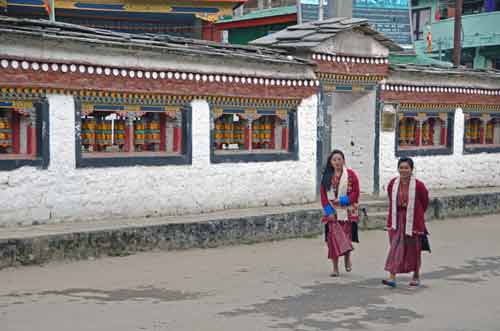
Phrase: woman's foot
(389,282)
(348,265)
(335,268)
(335,272)
(415,282)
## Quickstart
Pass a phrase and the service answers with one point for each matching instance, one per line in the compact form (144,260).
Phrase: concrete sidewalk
(112,224)
(83,239)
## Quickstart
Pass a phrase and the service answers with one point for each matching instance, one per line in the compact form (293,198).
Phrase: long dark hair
(328,172)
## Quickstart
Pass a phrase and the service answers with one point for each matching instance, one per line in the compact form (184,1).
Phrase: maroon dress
(339,232)
(405,251)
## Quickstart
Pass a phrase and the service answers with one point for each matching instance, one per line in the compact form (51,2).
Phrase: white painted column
(62,133)
(308,137)
(307,129)
(23,134)
(458,132)
(201,133)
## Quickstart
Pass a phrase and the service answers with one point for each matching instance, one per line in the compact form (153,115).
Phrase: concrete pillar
(62,133)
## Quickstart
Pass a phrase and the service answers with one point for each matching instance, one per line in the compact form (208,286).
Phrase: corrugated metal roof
(264,13)
(176,45)
(290,38)
(444,70)
(431,75)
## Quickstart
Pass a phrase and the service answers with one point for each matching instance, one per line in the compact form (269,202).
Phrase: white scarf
(342,190)
(410,209)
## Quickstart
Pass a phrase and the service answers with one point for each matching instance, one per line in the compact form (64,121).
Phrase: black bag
(354,235)
(426,246)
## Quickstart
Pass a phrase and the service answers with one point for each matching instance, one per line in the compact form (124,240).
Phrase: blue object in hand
(329,210)
(344,200)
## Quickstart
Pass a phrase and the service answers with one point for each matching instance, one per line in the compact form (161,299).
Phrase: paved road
(271,286)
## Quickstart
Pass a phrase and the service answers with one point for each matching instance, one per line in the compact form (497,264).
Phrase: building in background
(390,18)
(433,24)
(430,38)
(253,5)
(256,24)
(193,19)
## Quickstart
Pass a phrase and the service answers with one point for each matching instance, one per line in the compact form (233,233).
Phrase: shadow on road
(348,306)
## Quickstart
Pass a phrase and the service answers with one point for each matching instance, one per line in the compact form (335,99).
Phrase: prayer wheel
(5,133)
(219,132)
(119,132)
(88,134)
(139,134)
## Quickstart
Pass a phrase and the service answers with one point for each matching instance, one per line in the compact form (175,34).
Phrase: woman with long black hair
(339,198)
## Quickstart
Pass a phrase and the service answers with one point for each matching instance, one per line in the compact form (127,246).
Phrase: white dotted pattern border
(154,75)
(349,59)
(439,89)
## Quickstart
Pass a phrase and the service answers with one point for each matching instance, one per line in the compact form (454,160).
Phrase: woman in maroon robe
(409,200)
(339,197)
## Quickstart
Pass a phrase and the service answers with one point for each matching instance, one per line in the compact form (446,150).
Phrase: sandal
(335,274)
(415,282)
(388,282)
(348,264)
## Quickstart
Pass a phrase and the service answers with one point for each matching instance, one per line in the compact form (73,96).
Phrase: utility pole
(50,8)
(440,43)
(457,48)
(320,10)
(53,10)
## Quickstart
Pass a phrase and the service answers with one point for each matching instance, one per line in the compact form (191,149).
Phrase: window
(23,141)
(107,134)
(131,134)
(433,132)
(470,7)
(496,63)
(492,5)
(473,7)
(424,133)
(253,135)
(493,132)
(407,132)
(231,132)
(473,131)
(265,131)
(482,132)
(420,19)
